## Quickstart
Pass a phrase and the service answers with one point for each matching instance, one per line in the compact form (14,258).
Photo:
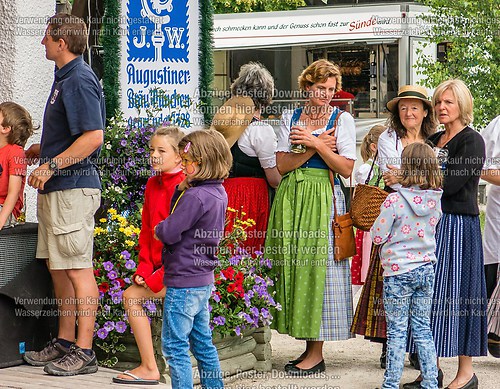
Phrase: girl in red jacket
(148,279)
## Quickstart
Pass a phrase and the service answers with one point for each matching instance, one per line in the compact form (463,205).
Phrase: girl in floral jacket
(405,231)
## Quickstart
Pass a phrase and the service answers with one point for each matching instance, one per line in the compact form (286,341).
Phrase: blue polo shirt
(75,105)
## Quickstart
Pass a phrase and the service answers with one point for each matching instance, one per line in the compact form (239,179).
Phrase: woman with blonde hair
(313,289)
(458,320)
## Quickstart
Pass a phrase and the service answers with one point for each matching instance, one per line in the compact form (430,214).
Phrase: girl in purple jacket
(191,236)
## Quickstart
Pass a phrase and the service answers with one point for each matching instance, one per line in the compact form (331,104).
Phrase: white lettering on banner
(311,25)
(160,62)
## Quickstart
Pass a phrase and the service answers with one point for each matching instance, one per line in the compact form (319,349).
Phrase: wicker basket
(365,206)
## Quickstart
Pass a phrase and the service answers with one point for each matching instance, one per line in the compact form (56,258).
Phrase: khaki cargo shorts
(66,227)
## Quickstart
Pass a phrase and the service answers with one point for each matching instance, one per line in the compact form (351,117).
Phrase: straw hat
(410,92)
(233,117)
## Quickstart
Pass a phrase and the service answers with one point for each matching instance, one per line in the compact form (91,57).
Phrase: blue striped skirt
(458,318)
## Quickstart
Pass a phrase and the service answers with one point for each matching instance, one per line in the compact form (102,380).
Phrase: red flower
(122,283)
(231,288)
(239,277)
(97,272)
(104,287)
(229,273)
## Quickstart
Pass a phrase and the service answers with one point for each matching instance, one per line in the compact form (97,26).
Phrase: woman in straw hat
(313,289)
(253,146)
(458,317)
(411,119)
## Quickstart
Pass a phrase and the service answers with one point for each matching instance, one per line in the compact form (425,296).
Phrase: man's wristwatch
(53,166)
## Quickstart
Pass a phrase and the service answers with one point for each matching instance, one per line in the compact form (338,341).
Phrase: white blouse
(346,134)
(389,148)
(259,140)
(491,236)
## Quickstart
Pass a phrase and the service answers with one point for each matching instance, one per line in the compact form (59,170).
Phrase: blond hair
(371,137)
(210,149)
(173,133)
(320,71)
(19,120)
(464,98)
(420,167)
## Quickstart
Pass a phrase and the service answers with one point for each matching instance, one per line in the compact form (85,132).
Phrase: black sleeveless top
(245,166)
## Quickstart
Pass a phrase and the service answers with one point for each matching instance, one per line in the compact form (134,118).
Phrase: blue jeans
(409,295)
(186,322)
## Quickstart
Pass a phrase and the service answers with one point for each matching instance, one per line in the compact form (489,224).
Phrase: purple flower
(123,142)
(102,333)
(248,318)
(107,265)
(235,260)
(112,275)
(254,311)
(116,284)
(130,264)
(258,253)
(121,327)
(265,313)
(107,309)
(219,320)
(209,308)
(109,326)
(247,299)
(237,330)
(150,306)
(216,297)
(117,297)
(127,280)
(126,255)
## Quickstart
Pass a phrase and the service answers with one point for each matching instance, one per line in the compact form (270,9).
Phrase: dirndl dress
(369,319)
(313,289)
(459,307)
(251,196)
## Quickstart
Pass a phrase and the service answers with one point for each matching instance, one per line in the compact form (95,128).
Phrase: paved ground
(351,364)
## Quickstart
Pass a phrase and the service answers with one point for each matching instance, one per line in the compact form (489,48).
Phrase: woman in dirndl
(253,143)
(313,289)
(458,317)
(411,119)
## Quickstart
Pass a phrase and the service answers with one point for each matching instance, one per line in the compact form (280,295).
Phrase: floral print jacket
(406,229)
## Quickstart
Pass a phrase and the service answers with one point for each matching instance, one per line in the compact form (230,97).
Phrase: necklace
(318,117)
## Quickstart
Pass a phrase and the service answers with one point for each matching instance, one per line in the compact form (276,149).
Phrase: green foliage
(110,40)
(473,29)
(236,6)
(206,58)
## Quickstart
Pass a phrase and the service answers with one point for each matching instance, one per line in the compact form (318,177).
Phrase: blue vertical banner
(159,73)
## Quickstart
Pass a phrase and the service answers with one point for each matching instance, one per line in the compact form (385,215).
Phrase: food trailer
(375,46)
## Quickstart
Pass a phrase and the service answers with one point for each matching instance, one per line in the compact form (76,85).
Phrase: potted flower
(241,298)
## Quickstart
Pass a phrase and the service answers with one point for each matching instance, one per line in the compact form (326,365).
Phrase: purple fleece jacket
(191,235)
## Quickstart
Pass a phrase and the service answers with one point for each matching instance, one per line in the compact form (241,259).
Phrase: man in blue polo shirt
(69,194)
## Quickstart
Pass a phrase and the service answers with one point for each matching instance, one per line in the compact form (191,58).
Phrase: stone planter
(250,351)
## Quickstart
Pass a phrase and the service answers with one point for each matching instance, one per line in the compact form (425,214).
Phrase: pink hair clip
(186,148)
